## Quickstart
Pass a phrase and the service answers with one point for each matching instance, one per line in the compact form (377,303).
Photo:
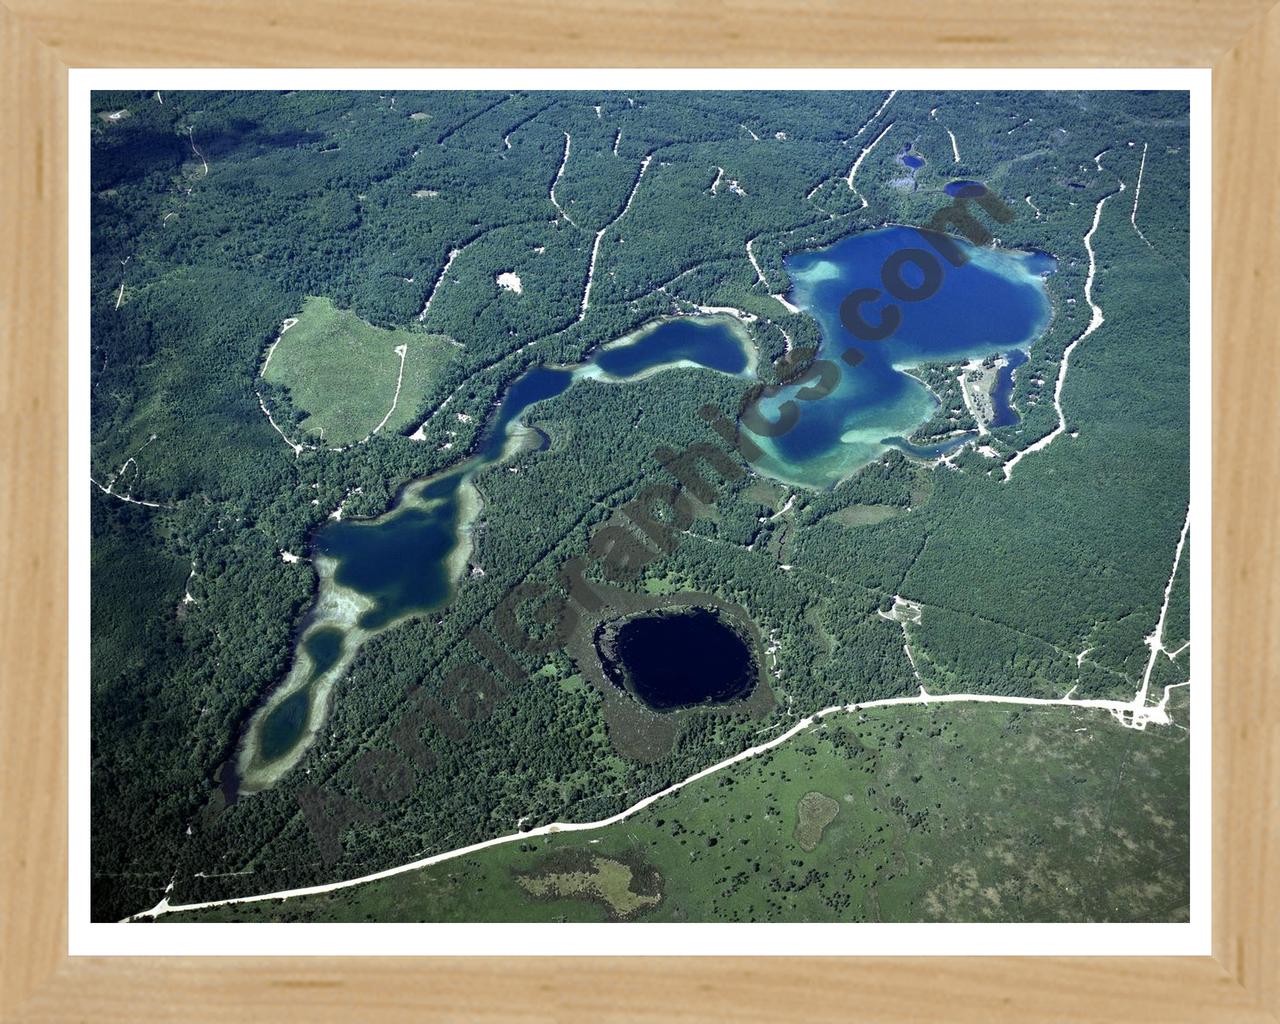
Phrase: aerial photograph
(639,506)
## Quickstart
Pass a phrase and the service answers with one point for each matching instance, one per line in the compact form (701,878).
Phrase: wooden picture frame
(41,39)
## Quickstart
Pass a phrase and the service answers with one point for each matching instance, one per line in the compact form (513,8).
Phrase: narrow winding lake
(375,572)
(407,561)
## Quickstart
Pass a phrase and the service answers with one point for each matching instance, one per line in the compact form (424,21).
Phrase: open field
(341,373)
(944,814)
(214,215)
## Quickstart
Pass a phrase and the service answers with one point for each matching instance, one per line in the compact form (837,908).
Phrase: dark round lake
(680,659)
(404,561)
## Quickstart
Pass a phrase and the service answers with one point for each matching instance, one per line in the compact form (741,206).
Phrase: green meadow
(952,813)
(341,371)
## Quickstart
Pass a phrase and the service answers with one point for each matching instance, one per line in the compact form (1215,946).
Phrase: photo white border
(284,939)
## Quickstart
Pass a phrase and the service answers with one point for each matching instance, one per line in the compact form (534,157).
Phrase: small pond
(678,659)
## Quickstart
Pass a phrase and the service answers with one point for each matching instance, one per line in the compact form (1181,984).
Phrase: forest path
(401,351)
(1095,321)
(110,487)
(755,264)
(858,163)
(1140,715)
(297,446)
(288,322)
(879,110)
(191,137)
(595,249)
(1156,639)
(121,497)
(564,161)
(1137,194)
(435,286)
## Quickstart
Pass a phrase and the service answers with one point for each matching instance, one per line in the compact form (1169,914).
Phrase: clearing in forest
(342,373)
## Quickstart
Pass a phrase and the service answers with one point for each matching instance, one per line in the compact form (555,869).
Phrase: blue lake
(1003,413)
(400,564)
(995,301)
(280,729)
(711,342)
(400,559)
(715,665)
(407,560)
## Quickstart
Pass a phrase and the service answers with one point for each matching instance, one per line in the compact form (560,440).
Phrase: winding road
(1131,714)
(1095,321)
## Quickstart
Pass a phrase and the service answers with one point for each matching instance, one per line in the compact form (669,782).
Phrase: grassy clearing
(603,880)
(866,515)
(341,372)
(814,813)
(956,813)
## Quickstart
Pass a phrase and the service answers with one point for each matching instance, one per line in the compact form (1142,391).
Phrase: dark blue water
(536,385)
(911,160)
(287,720)
(680,659)
(964,188)
(1003,413)
(402,561)
(709,343)
(284,726)
(995,301)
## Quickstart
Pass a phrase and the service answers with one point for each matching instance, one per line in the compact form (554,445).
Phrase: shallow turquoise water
(282,727)
(401,560)
(995,302)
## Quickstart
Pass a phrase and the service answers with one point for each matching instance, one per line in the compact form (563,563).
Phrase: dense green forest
(961,813)
(216,215)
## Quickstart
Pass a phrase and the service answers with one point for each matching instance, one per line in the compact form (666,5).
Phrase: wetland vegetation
(320,596)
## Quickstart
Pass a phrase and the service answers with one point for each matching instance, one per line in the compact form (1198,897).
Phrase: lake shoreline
(997,301)
(335,605)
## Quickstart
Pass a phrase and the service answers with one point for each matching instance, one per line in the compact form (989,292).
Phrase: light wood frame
(41,39)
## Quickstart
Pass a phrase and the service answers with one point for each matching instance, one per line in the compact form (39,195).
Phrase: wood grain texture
(33,511)
(39,39)
(1246,542)
(657,33)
